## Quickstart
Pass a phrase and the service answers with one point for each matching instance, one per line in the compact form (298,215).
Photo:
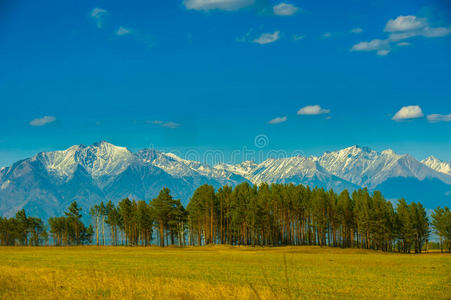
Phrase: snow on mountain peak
(176,157)
(105,146)
(389,152)
(357,149)
(98,159)
(243,169)
(365,167)
(103,158)
(437,165)
(179,167)
(280,169)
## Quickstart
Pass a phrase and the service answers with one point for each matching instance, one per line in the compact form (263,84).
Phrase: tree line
(265,215)
(30,231)
(286,214)
(134,223)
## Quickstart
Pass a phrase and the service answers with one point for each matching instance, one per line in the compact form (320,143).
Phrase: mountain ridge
(48,181)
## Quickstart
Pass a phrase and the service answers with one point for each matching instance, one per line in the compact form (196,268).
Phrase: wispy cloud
(206,5)
(122,31)
(277,120)
(408,112)
(137,36)
(267,38)
(435,118)
(263,38)
(246,37)
(285,9)
(171,125)
(42,121)
(99,14)
(401,28)
(313,110)
(297,37)
(326,35)
(357,30)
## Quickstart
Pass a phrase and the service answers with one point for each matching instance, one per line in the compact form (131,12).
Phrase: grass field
(220,272)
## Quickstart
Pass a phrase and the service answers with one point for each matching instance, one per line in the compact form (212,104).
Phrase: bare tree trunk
(161,234)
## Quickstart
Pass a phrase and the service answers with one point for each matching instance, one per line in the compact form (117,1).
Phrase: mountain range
(46,183)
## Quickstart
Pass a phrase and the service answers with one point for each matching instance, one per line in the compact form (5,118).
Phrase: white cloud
(285,9)
(297,37)
(99,14)
(356,30)
(206,5)
(43,121)
(313,110)
(405,23)
(408,112)
(326,35)
(277,120)
(401,28)
(434,118)
(404,27)
(382,47)
(267,38)
(123,31)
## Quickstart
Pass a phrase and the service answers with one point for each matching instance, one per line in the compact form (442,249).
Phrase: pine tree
(162,207)
(73,215)
(113,219)
(22,228)
(441,221)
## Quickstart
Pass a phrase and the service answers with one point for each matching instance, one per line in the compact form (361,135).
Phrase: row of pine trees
(134,223)
(267,215)
(30,231)
(286,214)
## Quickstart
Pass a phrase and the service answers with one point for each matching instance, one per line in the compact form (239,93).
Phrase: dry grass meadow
(220,273)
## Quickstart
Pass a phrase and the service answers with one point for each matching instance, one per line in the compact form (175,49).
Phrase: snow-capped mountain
(47,182)
(297,170)
(438,165)
(368,168)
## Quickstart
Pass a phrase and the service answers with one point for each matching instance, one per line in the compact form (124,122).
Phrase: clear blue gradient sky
(211,74)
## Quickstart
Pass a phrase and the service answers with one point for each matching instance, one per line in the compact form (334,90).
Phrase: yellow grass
(220,273)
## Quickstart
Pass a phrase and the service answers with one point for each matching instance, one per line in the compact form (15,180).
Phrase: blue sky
(196,75)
